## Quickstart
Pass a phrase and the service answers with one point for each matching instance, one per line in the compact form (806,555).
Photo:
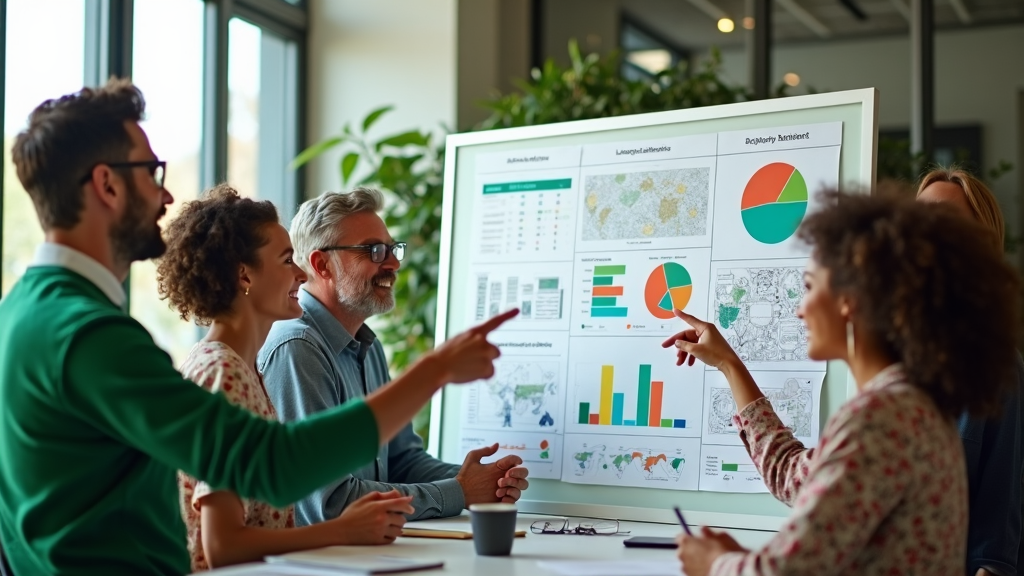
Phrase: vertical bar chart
(611,411)
(606,292)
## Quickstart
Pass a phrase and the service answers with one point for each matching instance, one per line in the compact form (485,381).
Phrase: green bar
(666,422)
(603,301)
(528,186)
(547,284)
(643,396)
(584,412)
(603,280)
(609,312)
(609,270)
(730,467)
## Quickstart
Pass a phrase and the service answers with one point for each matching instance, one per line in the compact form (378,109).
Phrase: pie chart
(774,202)
(669,286)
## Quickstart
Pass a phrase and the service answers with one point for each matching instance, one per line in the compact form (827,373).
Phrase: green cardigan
(95,420)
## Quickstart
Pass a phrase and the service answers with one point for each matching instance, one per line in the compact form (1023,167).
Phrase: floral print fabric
(217,368)
(884,493)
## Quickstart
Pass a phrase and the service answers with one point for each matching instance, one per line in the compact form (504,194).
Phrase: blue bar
(629,422)
(609,312)
(679,423)
(618,400)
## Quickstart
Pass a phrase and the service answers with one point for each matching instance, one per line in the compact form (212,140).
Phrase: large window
(244,107)
(262,114)
(172,83)
(243,130)
(42,62)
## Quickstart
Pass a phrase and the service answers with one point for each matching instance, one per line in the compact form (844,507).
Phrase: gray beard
(361,298)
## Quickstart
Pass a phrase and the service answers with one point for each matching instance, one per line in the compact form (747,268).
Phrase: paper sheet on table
(613,567)
(272,570)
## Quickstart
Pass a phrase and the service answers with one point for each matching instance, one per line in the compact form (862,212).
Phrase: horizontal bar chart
(605,293)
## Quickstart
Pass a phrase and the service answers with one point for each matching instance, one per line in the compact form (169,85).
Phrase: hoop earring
(851,344)
(246,290)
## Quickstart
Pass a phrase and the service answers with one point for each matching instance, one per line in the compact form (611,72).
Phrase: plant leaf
(372,117)
(315,150)
(410,138)
(348,166)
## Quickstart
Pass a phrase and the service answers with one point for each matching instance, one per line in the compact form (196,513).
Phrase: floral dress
(217,368)
(885,491)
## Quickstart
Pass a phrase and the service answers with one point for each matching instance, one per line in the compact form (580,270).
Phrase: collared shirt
(311,364)
(52,254)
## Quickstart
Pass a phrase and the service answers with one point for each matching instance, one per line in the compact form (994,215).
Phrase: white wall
(364,54)
(979,75)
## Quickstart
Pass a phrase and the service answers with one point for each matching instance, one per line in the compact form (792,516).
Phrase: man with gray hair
(329,356)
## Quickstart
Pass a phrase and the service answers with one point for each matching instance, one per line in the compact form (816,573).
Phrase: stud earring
(851,344)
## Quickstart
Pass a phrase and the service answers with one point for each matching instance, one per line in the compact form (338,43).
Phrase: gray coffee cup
(494,528)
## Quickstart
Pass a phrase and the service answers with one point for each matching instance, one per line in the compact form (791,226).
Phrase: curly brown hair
(929,289)
(206,244)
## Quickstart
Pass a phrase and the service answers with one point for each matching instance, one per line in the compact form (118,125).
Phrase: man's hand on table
(500,481)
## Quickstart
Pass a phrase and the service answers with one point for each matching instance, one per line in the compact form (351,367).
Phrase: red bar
(655,416)
(595,418)
(607,290)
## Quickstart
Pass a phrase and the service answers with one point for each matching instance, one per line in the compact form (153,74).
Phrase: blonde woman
(992,447)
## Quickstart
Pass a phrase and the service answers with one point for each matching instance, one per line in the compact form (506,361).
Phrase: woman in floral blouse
(924,312)
(229,265)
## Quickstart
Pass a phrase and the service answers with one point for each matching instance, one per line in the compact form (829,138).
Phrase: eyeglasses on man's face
(595,528)
(157,169)
(378,252)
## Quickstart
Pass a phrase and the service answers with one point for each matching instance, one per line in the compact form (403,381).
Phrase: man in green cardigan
(94,419)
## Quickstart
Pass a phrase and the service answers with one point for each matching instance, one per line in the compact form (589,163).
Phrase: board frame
(863,179)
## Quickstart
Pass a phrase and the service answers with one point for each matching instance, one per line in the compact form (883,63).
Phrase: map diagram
(637,205)
(522,394)
(794,403)
(755,308)
(645,463)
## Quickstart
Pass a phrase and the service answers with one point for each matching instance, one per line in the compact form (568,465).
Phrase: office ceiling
(690,24)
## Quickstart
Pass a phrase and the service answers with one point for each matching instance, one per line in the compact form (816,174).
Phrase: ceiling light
(748,22)
(653,61)
(726,25)
(791,79)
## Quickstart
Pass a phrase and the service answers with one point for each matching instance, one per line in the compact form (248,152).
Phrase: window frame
(108,52)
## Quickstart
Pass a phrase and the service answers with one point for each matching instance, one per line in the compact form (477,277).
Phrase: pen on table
(679,514)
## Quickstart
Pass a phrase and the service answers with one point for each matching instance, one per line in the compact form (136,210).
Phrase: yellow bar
(607,375)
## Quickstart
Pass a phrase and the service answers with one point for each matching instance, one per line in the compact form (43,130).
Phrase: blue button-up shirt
(311,364)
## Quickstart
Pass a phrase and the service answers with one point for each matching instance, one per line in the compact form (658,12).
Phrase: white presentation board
(597,230)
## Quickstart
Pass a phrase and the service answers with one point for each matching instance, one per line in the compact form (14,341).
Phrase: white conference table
(460,558)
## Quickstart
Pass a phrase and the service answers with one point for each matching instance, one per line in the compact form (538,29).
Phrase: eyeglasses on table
(586,528)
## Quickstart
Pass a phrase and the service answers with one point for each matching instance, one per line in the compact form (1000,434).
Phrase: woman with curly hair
(229,266)
(992,446)
(901,292)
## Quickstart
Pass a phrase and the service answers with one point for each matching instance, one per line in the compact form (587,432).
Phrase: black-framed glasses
(157,169)
(597,528)
(378,252)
